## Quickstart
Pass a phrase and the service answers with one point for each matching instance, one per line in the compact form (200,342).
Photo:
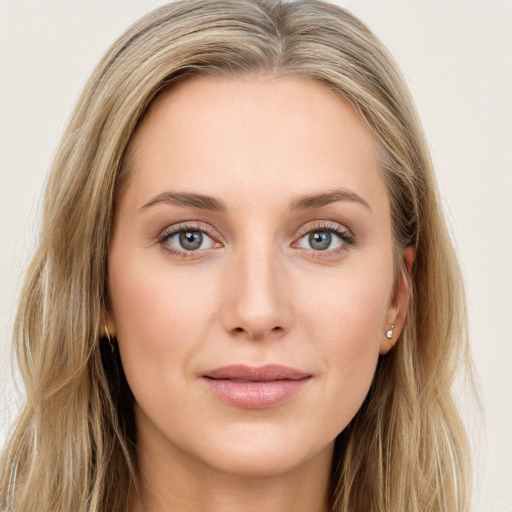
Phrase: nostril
(277,328)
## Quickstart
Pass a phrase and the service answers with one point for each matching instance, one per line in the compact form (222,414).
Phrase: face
(251,273)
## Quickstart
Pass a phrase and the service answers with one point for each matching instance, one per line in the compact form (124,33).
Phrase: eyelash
(167,234)
(345,236)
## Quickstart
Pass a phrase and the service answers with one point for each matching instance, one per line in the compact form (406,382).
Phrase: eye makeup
(194,239)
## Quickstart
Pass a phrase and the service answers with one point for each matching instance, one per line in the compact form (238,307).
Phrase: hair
(74,444)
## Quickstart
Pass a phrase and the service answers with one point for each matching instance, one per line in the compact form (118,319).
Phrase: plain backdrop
(457,58)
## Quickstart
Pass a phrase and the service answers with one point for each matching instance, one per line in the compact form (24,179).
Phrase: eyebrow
(303,202)
(311,201)
(199,201)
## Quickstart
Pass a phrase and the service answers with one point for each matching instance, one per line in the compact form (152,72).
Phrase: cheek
(350,308)
(346,321)
(161,320)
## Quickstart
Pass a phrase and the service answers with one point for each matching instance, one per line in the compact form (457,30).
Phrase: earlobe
(107,326)
(395,319)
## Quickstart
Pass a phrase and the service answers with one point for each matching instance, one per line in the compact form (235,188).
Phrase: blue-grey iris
(191,240)
(320,240)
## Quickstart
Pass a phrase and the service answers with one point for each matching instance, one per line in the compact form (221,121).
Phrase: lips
(255,387)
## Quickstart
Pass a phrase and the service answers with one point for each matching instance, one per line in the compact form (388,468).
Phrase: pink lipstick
(255,387)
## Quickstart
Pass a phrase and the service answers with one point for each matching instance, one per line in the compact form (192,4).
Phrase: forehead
(251,135)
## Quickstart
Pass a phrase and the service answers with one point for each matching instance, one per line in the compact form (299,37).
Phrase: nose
(256,294)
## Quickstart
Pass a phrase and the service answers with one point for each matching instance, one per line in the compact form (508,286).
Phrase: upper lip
(265,373)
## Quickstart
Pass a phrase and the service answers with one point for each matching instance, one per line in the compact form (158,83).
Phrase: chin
(263,452)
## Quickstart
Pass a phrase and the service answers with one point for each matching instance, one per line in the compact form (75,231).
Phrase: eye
(186,240)
(325,238)
(320,241)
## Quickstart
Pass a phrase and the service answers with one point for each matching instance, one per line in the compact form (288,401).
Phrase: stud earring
(389,334)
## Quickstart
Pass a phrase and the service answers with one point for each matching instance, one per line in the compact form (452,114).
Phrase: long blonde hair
(74,445)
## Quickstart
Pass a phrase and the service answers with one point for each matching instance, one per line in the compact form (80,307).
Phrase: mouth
(255,387)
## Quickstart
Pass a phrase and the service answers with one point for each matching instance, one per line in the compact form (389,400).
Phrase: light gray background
(457,57)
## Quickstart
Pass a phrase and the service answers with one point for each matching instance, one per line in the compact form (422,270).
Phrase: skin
(256,291)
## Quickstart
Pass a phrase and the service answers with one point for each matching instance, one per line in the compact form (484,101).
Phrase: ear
(395,317)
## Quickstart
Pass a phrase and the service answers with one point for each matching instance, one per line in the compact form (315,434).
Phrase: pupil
(191,240)
(320,240)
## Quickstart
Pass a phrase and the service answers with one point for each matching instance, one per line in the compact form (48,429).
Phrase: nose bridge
(256,302)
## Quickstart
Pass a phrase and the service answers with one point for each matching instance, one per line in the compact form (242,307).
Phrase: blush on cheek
(160,319)
(347,327)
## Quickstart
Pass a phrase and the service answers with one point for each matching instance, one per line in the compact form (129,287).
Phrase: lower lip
(255,395)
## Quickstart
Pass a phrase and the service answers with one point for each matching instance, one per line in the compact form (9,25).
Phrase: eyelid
(325,225)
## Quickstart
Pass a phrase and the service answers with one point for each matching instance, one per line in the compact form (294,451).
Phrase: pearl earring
(389,334)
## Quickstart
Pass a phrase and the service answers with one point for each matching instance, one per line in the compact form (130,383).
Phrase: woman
(245,296)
